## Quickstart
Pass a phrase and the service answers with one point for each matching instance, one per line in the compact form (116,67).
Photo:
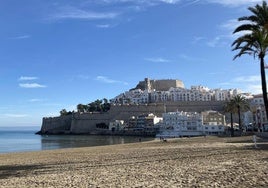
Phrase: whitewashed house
(177,124)
(259,118)
(213,122)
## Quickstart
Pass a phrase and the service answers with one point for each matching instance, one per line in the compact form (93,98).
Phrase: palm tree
(239,103)
(80,108)
(63,112)
(254,40)
(231,109)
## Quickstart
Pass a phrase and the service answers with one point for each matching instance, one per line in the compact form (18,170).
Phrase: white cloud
(197,39)
(109,81)
(157,60)
(15,115)
(35,100)
(31,85)
(235,3)
(255,78)
(215,42)
(105,79)
(250,84)
(23,78)
(170,1)
(75,13)
(253,88)
(146,2)
(190,58)
(20,37)
(230,25)
(103,26)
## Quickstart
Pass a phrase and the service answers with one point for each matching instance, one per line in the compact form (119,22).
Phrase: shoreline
(185,162)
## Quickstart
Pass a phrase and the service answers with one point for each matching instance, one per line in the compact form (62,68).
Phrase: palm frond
(244,27)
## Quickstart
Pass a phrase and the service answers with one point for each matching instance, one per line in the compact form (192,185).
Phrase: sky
(56,54)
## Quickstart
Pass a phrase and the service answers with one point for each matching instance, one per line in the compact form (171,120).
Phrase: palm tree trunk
(232,126)
(264,87)
(239,117)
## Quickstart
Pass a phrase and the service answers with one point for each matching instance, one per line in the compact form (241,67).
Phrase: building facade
(171,91)
(257,115)
(178,124)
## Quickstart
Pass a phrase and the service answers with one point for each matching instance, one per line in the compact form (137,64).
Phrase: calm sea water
(21,139)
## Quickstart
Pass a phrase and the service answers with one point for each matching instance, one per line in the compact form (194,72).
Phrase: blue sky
(56,54)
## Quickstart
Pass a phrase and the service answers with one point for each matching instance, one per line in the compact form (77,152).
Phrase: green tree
(239,104)
(254,40)
(98,104)
(229,107)
(63,112)
(106,105)
(80,108)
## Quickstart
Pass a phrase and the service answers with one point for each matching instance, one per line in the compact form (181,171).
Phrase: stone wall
(165,85)
(86,123)
(56,125)
(159,85)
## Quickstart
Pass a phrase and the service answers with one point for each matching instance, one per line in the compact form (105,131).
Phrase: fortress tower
(148,84)
(159,85)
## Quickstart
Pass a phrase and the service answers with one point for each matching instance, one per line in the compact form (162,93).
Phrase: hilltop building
(158,91)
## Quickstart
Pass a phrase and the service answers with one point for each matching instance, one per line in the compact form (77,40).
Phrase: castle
(162,91)
(149,96)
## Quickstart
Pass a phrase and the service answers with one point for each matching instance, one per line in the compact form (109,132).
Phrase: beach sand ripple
(186,162)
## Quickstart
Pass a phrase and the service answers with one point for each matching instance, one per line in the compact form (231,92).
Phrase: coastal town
(164,108)
(161,126)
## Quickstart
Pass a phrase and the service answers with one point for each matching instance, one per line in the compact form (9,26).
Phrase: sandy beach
(186,162)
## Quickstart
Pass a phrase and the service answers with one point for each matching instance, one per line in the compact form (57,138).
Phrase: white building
(196,93)
(176,124)
(258,115)
(213,129)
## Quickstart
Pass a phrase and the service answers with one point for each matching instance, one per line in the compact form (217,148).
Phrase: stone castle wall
(165,85)
(159,85)
(86,123)
(56,125)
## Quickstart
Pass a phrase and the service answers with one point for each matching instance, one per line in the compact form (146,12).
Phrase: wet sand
(186,162)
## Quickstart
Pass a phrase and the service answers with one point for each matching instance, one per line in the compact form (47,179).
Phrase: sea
(24,139)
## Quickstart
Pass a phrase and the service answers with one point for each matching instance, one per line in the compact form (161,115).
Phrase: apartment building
(196,93)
